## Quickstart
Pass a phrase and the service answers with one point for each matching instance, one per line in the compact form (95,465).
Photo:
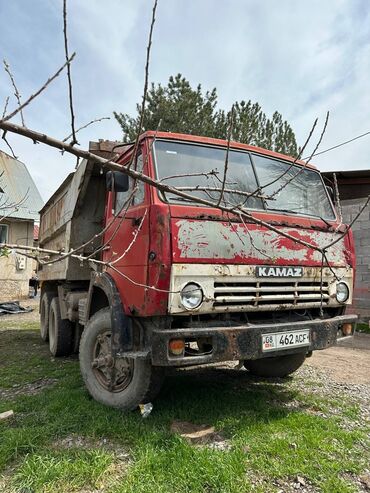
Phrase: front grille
(270,294)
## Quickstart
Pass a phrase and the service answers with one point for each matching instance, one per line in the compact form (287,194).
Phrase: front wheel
(122,383)
(277,366)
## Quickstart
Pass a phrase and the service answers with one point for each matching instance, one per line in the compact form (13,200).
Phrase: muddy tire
(60,331)
(77,332)
(123,383)
(45,301)
(278,366)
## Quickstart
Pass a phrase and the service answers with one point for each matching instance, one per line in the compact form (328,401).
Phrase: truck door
(128,239)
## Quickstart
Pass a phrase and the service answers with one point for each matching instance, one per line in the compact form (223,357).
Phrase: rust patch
(218,240)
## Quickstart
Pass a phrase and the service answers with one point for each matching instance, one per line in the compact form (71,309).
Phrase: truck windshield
(199,171)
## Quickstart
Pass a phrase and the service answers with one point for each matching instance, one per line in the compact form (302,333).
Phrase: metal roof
(19,197)
(361,174)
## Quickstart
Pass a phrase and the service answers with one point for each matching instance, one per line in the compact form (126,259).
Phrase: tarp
(13,307)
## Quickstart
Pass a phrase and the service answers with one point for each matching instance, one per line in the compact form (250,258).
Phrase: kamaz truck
(159,280)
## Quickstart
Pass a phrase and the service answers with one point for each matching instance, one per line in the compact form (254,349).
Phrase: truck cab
(251,264)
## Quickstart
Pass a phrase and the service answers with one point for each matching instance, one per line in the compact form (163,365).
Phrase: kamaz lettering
(279,271)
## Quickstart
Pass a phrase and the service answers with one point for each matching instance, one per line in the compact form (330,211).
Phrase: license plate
(284,340)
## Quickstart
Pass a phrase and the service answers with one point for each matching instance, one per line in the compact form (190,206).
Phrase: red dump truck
(190,284)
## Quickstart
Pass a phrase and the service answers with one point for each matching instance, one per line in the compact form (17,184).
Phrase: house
(20,202)
(354,188)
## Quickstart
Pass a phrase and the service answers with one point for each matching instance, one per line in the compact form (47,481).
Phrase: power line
(341,144)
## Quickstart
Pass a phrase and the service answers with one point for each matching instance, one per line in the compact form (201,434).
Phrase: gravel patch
(33,388)
(86,443)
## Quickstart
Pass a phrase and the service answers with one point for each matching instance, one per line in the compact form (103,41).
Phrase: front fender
(122,329)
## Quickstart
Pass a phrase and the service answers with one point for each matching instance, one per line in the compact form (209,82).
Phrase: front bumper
(243,342)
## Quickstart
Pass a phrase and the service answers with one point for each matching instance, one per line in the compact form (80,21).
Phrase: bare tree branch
(285,184)
(230,131)
(16,92)
(87,125)
(5,106)
(337,201)
(292,163)
(74,140)
(37,93)
(9,146)
(146,79)
(217,189)
(45,139)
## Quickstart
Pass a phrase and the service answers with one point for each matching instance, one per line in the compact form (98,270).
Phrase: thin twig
(5,106)
(292,163)
(7,143)
(122,216)
(302,168)
(146,79)
(337,201)
(16,92)
(87,125)
(135,235)
(37,93)
(74,140)
(349,226)
(321,284)
(186,175)
(230,131)
(217,189)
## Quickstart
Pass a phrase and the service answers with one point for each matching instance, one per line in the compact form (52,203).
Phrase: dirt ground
(344,363)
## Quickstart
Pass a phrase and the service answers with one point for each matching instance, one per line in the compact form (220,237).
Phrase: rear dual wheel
(116,382)
(60,331)
(63,336)
(45,301)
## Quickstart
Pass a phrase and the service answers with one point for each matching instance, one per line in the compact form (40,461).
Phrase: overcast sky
(301,58)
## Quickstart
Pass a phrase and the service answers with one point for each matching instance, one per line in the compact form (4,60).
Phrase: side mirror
(330,191)
(116,181)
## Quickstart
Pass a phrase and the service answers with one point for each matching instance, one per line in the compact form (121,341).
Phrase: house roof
(19,197)
(350,177)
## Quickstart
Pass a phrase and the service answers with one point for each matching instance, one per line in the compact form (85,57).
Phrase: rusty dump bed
(71,217)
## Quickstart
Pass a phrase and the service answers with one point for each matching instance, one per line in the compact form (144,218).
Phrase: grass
(271,439)
(363,328)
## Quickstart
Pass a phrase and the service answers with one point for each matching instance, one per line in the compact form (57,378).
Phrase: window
(202,167)
(296,189)
(199,171)
(138,198)
(3,233)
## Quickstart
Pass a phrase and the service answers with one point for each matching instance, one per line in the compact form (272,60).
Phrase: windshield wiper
(325,221)
(289,211)
(180,199)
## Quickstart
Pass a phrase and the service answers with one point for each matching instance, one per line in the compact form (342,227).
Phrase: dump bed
(71,217)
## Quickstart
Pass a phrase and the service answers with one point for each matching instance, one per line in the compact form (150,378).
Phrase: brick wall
(361,233)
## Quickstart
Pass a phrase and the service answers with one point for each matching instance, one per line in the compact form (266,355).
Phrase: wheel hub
(114,374)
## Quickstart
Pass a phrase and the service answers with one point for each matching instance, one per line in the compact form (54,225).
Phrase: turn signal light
(176,347)
(347,329)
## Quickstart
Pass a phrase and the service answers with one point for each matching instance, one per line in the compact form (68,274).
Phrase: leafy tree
(186,110)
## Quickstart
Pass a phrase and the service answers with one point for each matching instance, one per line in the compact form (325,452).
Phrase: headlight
(191,296)
(342,292)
